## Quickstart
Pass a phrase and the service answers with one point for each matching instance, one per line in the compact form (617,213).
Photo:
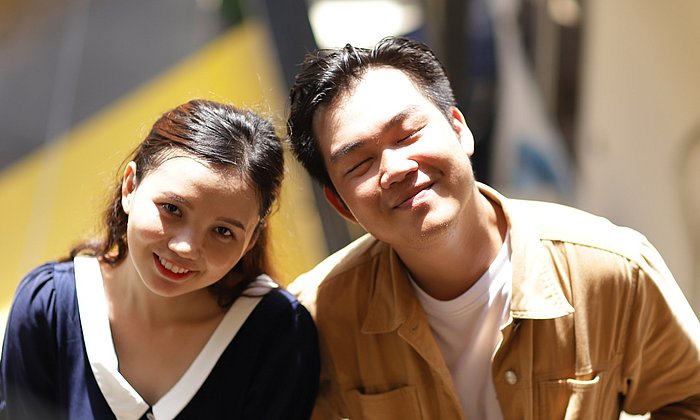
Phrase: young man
(460,303)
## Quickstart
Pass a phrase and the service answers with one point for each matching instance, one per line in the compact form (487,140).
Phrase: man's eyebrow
(393,122)
(345,150)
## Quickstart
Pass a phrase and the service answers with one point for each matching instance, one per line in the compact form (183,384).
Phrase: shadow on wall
(689,184)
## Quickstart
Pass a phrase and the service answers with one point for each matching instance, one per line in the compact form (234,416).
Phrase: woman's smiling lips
(170,270)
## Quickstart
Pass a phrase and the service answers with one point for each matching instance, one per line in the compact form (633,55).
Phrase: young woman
(171,314)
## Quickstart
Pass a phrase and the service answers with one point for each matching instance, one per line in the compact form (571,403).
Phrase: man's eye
(411,136)
(223,231)
(170,209)
(356,167)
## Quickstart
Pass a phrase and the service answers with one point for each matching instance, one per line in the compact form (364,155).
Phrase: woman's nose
(185,244)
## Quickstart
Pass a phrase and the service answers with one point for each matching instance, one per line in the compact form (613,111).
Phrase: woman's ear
(128,186)
(254,238)
(338,204)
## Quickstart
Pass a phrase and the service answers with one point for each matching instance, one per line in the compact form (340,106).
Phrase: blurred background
(586,102)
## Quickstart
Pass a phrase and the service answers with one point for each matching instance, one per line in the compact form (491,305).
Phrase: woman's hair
(219,135)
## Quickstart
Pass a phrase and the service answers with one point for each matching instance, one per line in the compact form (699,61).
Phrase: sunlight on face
(189,224)
(401,167)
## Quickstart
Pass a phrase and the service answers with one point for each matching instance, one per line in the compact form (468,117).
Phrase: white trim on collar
(123,399)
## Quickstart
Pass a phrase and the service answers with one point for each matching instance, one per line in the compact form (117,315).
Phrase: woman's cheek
(224,256)
(148,226)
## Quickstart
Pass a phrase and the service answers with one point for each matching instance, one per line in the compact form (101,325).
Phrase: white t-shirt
(468,331)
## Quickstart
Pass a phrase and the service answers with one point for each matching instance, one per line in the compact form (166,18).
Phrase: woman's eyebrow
(233,222)
(178,198)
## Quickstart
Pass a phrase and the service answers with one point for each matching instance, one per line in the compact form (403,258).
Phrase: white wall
(641,101)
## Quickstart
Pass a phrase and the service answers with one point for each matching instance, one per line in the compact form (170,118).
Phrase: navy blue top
(270,370)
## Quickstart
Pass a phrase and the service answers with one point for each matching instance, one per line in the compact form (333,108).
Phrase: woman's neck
(127,296)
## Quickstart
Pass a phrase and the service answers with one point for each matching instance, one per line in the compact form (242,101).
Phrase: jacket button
(511,377)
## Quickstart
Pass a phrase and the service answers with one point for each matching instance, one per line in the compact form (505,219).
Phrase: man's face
(401,168)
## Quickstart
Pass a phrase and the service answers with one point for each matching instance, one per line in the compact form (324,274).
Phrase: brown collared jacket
(598,325)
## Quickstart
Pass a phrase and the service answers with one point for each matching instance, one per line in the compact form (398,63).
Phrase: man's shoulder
(340,272)
(554,222)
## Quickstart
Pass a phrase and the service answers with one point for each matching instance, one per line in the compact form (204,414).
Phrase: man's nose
(395,166)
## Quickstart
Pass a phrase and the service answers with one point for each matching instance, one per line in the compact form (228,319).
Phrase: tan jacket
(598,325)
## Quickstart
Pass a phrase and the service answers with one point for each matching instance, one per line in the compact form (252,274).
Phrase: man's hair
(329,73)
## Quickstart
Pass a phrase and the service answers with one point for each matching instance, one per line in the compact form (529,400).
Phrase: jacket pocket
(399,404)
(569,399)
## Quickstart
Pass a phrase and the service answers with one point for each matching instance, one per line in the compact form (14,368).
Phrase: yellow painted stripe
(53,198)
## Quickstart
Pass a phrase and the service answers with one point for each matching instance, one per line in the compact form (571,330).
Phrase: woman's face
(188,224)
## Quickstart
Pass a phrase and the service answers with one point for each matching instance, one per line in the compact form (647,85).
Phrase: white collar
(123,399)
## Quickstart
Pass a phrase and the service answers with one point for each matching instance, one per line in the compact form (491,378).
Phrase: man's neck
(453,262)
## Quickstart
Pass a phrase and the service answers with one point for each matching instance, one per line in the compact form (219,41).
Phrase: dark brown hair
(219,135)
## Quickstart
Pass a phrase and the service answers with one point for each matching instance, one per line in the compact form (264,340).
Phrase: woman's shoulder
(280,321)
(282,299)
(47,275)
(272,294)
(39,287)
(279,304)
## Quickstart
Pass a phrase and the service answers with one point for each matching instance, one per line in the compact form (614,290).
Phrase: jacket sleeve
(27,367)
(329,405)
(662,358)
(286,385)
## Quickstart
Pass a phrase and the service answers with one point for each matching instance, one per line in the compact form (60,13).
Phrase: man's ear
(338,204)
(128,185)
(459,124)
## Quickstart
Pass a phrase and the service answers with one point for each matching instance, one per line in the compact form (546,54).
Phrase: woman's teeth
(174,268)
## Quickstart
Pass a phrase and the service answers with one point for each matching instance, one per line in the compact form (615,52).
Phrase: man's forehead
(384,92)
(381,97)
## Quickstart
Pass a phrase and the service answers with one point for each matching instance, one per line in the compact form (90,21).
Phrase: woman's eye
(170,209)
(223,231)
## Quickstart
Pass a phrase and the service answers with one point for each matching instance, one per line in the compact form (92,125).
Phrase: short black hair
(328,73)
